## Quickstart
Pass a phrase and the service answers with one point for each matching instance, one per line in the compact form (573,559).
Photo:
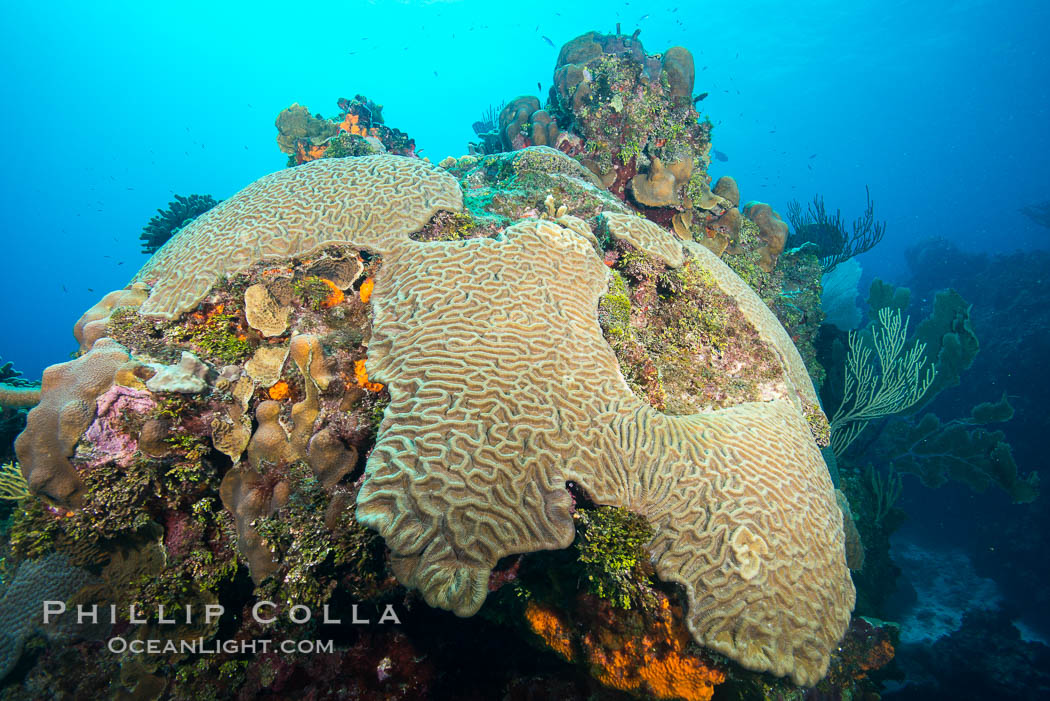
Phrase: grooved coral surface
(371,200)
(50,578)
(645,236)
(503,389)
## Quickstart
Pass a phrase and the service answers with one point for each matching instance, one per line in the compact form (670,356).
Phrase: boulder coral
(772,230)
(66,410)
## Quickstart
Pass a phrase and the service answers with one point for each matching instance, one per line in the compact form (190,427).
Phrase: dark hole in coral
(580,498)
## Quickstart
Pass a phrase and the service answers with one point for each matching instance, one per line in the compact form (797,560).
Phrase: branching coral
(891,383)
(13,485)
(487,129)
(829,233)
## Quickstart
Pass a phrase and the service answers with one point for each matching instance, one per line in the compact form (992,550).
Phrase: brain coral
(503,389)
(51,578)
(295,212)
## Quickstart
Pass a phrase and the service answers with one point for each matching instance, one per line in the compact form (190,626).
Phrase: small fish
(547,39)
(704,68)
(120,263)
(772,131)
(643,17)
(813,156)
(91,289)
(700,97)
(719,156)
(64,289)
(539,86)
(435,74)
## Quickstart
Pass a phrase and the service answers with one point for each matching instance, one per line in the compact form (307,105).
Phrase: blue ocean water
(111,108)
(940,107)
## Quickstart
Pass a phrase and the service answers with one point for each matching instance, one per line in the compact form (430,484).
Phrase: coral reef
(408,192)
(771,230)
(1011,311)
(13,485)
(65,412)
(960,450)
(17,394)
(487,129)
(643,652)
(168,222)
(357,131)
(987,658)
(522,384)
(890,382)
(261,491)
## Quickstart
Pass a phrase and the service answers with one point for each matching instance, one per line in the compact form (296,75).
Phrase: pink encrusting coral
(108,436)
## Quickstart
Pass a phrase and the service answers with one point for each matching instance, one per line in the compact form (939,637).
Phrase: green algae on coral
(216,338)
(610,543)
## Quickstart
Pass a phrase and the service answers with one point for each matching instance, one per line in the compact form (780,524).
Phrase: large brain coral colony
(354,346)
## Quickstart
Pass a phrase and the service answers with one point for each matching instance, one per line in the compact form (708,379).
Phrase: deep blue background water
(110,108)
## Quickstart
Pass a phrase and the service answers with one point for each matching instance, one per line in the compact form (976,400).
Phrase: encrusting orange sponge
(335,295)
(279,391)
(362,377)
(366,290)
(654,661)
(549,625)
